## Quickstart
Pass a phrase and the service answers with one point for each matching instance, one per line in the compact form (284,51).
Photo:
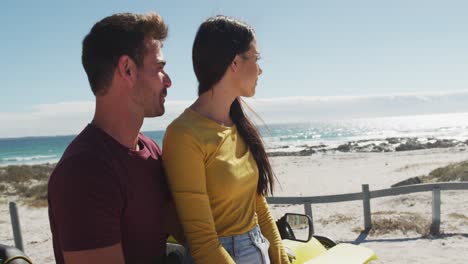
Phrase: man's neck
(120,124)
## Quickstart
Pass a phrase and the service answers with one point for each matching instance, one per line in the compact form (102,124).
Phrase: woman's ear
(235,64)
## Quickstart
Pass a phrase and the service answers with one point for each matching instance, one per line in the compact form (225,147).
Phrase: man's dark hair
(114,36)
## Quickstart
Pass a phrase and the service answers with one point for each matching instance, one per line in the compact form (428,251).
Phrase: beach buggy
(301,244)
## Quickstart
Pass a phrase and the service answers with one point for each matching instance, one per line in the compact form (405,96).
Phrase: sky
(312,51)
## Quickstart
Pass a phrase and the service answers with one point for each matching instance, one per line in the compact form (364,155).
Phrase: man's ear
(126,68)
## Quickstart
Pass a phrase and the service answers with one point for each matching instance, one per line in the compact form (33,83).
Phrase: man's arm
(112,254)
(85,207)
(172,223)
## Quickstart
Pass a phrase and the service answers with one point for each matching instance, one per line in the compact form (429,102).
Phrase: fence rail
(366,195)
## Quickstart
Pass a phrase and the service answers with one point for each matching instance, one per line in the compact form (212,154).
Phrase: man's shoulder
(91,141)
(82,162)
(86,152)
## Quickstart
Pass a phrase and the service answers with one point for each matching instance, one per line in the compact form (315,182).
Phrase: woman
(215,161)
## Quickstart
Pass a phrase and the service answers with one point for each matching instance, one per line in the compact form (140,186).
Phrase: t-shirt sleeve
(183,159)
(267,224)
(85,204)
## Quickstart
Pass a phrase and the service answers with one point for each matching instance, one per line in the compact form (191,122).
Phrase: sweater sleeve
(267,224)
(183,158)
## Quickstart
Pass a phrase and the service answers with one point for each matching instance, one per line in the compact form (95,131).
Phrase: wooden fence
(15,224)
(366,195)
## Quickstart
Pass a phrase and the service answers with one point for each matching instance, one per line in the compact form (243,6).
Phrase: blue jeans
(249,248)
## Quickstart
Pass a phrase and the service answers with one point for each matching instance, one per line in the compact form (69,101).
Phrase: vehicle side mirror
(295,227)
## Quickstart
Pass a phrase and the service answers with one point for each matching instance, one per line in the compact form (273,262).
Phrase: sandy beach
(329,174)
(346,172)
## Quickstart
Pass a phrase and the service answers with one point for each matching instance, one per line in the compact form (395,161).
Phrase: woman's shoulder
(194,125)
(183,123)
(186,126)
(191,121)
(178,123)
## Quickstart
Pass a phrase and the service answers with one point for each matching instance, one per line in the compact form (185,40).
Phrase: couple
(114,197)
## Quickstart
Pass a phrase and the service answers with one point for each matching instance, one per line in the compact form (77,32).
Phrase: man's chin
(156,113)
(160,113)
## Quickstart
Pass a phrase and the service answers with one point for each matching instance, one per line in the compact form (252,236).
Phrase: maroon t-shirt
(102,193)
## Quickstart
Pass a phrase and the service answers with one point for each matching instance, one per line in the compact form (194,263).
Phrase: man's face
(152,81)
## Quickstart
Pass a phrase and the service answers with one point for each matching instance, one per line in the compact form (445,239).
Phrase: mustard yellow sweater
(213,178)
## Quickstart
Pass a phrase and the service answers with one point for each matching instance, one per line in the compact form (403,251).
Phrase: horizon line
(260,125)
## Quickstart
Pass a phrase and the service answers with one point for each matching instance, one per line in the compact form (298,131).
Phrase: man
(108,195)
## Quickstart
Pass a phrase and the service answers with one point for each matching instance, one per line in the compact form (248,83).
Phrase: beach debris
(386,222)
(374,146)
(336,219)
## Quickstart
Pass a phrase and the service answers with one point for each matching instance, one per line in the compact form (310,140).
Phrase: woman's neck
(215,105)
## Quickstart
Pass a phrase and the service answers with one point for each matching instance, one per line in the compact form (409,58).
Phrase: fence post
(308,211)
(366,206)
(435,227)
(15,223)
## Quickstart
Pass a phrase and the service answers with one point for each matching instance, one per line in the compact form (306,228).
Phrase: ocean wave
(299,137)
(28,158)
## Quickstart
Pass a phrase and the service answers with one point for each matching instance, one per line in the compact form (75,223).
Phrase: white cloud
(47,119)
(70,117)
(305,109)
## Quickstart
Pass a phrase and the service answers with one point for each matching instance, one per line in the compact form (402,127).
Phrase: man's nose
(167,80)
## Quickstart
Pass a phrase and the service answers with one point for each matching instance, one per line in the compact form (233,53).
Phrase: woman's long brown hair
(219,39)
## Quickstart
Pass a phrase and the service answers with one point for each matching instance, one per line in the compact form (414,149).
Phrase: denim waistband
(250,247)
(238,238)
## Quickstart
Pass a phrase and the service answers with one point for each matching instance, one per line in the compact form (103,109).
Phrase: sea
(284,136)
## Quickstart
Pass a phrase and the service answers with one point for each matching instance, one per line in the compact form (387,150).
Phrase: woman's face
(249,70)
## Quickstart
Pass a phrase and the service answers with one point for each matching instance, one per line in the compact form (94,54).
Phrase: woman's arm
(183,158)
(270,231)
